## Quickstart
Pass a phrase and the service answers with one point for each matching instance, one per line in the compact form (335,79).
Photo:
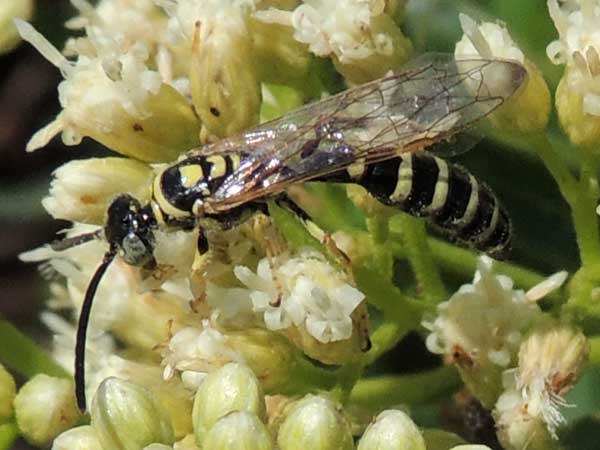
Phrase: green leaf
(24,356)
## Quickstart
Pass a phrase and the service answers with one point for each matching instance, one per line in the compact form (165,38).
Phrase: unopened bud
(233,387)
(45,407)
(241,430)
(317,423)
(9,9)
(128,417)
(8,390)
(223,77)
(392,430)
(270,356)
(82,190)
(79,438)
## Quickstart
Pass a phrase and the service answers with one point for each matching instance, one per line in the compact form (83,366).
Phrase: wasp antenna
(84,318)
(67,243)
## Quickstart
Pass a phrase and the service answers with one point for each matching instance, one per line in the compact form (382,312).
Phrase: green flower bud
(314,423)
(583,128)
(392,430)
(280,58)
(271,356)
(45,407)
(128,417)
(441,440)
(82,190)
(79,438)
(392,50)
(187,443)
(223,78)
(233,387)
(170,128)
(471,447)
(239,430)
(9,9)
(8,390)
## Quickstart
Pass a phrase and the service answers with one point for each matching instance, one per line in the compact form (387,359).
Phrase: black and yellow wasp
(373,135)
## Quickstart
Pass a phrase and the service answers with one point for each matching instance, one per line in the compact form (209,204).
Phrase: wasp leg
(317,232)
(360,316)
(269,238)
(212,259)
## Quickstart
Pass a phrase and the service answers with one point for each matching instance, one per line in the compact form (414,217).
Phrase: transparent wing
(431,100)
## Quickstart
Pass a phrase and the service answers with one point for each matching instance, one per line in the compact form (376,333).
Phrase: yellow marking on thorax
(191,174)
(219,166)
(162,202)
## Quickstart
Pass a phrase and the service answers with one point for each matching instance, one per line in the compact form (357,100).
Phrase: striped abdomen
(454,200)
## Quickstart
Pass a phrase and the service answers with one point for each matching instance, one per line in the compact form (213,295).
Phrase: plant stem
(384,338)
(419,255)
(462,262)
(24,356)
(8,435)
(567,183)
(385,391)
(585,219)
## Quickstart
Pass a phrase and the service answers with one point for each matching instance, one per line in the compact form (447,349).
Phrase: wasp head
(129,229)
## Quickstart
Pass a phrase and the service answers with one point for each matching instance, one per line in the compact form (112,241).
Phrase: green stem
(383,339)
(421,260)
(567,183)
(594,358)
(385,391)
(9,432)
(581,196)
(24,356)
(585,219)
(307,378)
(462,263)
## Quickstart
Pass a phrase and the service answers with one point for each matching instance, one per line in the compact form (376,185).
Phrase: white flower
(195,352)
(184,14)
(144,319)
(550,361)
(313,295)
(578,47)
(115,76)
(488,40)
(340,28)
(481,326)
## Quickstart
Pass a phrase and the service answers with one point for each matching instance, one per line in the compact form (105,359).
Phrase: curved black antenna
(84,318)
(69,242)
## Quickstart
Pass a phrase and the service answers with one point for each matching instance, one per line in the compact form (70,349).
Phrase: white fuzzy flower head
(550,361)
(527,111)
(481,326)
(340,28)
(488,40)
(313,295)
(111,95)
(578,47)
(195,352)
(115,75)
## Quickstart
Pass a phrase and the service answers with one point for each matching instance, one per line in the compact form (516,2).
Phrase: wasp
(375,135)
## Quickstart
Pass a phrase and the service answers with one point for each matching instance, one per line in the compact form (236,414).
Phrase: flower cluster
(260,341)
(523,367)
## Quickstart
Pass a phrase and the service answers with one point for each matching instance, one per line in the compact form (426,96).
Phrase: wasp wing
(431,100)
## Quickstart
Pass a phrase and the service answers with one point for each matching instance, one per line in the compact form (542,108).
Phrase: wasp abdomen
(453,200)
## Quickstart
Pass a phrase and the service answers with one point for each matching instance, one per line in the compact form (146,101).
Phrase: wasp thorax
(129,229)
